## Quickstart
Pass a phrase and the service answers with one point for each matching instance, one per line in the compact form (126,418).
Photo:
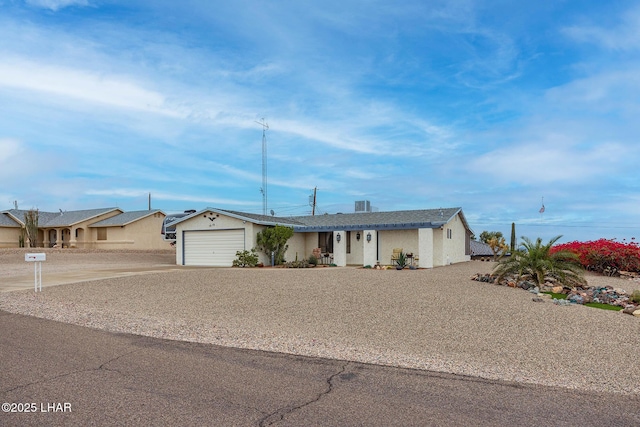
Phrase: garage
(214,248)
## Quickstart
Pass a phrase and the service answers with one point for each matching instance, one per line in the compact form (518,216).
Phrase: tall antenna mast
(263,190)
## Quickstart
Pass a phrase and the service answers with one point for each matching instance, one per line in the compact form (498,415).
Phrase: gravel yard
(436,319)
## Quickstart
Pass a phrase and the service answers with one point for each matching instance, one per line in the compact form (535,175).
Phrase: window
(449,233)
(325,242)
(348,242)
(102,234)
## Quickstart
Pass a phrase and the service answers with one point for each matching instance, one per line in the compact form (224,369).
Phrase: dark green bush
(246,258)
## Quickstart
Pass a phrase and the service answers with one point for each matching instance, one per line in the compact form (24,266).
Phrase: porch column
(59,237)
(45,238)
(369,250)
(425,248)
(340,248)
(72,237)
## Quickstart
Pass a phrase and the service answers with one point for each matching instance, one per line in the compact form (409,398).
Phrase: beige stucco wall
(9,237)
(355,257)
(453,249)
(425,251)
(407,240)
(297,246)
(138,235)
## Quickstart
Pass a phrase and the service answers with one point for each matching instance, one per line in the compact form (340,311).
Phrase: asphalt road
(70,375)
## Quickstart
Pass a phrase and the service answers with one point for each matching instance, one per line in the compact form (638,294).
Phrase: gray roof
(480,249)
(7,221)
(60,219)
(425,218)
(260,219)
(393,220)
(125,218)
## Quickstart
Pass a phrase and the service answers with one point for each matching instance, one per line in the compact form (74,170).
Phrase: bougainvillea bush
(600,255)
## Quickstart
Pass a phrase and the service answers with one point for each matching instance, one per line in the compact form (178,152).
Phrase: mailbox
(35,257)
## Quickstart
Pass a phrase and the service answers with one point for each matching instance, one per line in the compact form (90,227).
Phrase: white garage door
(215,248)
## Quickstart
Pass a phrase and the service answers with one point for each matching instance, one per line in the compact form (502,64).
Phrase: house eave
(407,226)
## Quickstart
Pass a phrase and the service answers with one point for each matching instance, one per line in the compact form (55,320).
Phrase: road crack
(101,367)
(280,414)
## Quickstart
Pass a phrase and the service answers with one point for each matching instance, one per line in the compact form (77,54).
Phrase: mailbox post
(36,259)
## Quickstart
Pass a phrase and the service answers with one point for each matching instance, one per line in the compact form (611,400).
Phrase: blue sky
(486,105)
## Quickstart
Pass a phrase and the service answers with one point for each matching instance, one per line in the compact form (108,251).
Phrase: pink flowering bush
(600,255)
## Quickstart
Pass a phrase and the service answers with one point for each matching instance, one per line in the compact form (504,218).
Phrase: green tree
(496,242)
(274,239)
(485,236)
(536,262)
(31,227)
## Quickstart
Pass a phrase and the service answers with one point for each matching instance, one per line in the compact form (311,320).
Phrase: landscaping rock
(557,289)
(537,299)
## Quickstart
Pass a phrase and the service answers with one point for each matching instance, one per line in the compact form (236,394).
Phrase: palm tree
(537,263)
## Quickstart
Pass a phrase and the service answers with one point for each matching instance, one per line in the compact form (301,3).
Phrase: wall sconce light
(338,237)
(358,236)
(368,237)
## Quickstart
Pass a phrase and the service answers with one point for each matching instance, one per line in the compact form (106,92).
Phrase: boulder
(557,289)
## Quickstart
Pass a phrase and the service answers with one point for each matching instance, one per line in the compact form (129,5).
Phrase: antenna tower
(263,190)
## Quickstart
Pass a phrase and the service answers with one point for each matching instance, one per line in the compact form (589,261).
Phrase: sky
(497,107)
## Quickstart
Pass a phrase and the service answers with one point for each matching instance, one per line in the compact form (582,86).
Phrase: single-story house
(106,228)
(481,250)
(433,237)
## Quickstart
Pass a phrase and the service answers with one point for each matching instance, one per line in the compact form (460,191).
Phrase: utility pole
(313,210)
(263,190)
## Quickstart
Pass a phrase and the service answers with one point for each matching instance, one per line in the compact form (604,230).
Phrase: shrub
(537,262)
(604,255)
(297,264)
(635,297)
(274,239)
(246,258)
(313,260)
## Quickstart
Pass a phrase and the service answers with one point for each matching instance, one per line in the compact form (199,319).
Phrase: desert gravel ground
(434,319)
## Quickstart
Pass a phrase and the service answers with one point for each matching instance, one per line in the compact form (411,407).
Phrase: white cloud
(56,4)
(182,197)
(625,36)
(8,149)
(549,162)
(88,86)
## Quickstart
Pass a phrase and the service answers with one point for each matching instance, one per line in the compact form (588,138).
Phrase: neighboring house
(107,228)
(481,250)
(9,231)
(434,237)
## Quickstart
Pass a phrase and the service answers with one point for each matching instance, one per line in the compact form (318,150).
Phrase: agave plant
(536,262)
(401,262)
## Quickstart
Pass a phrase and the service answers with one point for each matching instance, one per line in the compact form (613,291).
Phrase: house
(106,228)
(432,237)
(482,251)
